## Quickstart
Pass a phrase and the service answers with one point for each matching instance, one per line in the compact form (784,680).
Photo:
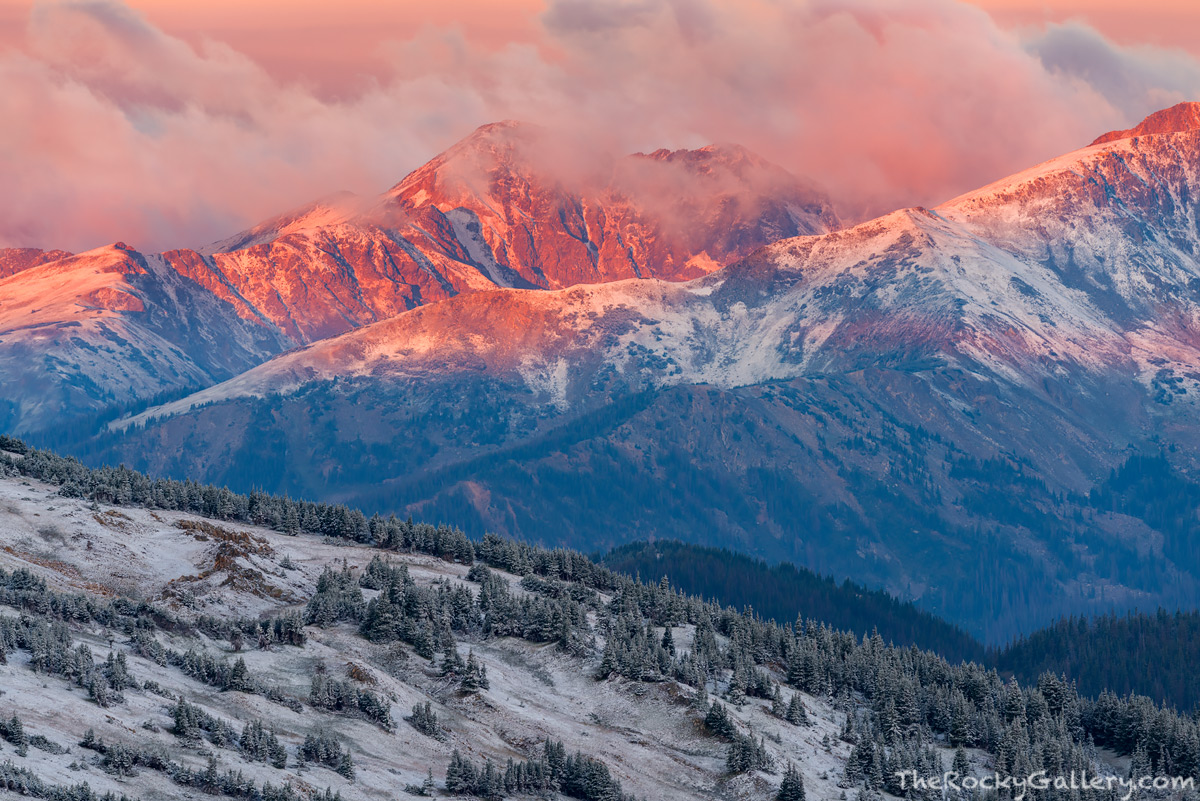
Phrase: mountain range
(965,405)
(115,327)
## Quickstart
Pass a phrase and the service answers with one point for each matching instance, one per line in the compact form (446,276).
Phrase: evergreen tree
(961,764)
(796,714)
(718,723)
(14,732)
(668,642)
(792,787)
(778,707)
(474,676)
(239,677)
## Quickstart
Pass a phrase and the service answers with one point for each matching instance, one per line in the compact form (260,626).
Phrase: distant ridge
(784,591)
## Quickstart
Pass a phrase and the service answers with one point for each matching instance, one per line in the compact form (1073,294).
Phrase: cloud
(1136,80)
(116,130)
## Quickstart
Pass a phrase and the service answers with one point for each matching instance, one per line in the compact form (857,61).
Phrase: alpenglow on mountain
(965,405)
(115,327)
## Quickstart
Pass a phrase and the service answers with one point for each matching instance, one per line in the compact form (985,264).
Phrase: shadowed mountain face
(499,209)
(933,401)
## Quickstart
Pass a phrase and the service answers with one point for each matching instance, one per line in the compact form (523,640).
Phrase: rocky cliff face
(497,210)
(556,222)
(1180,117)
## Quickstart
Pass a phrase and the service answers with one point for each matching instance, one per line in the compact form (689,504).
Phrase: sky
(173,123)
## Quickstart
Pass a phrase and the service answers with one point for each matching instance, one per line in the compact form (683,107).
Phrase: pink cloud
(115,130)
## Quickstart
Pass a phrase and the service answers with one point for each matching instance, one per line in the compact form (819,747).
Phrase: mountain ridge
(876,402)
(344,262)
(1180,117)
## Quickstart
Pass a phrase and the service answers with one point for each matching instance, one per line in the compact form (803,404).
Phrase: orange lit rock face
(496,211)
(503,208)
(14,260)
(1177,118)
(549,221)
(500,210)
(112,300)
(315,284)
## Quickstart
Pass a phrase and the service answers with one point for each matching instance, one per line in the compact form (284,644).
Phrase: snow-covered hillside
(161,638)
(647,734)
(158,653)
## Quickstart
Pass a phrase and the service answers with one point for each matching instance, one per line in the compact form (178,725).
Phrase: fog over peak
(118,130)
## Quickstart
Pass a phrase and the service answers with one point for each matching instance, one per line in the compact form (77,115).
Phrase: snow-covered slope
(646,733)
(109,328)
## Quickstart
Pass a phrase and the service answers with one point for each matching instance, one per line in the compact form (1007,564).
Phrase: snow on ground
(646,733)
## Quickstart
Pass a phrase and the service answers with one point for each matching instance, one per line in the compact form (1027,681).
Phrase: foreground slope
(137,640)
(933,389)
(230,574)
(493,211)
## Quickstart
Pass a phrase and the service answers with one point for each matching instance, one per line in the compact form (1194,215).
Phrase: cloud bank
(116,130)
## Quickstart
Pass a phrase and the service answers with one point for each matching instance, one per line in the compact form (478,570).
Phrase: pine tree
(736,694)
(668,642)
(960,731)
(239,677)
(847,734)
(717,721)
(98,690)
(961,765)
(425,720)
(474,675)
(16,735)
(460,775)
(792,787)
(452,663)
(345,766)
(796,714)
(778,707)
(1140,765)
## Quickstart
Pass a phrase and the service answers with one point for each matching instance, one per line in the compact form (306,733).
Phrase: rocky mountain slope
(491,211)
(109,328)
(14,260)
(932,389)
